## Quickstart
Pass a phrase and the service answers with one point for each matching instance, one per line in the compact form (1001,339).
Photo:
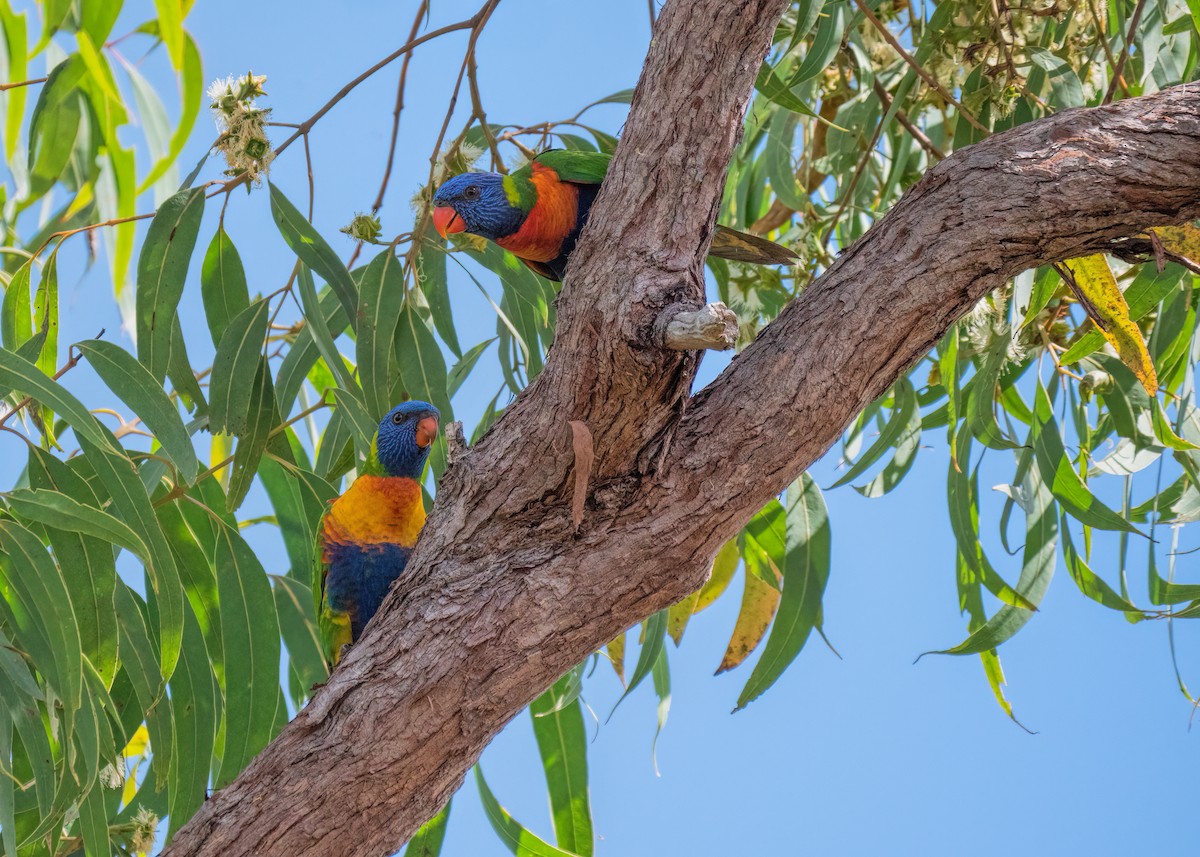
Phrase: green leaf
(562,742)
(381,297)
(805,572)
(356,416)
(304,352)
(170,29)
(655,640)
(1062,479)
(195,703)
(237,362)
(132,505)
(140,663)
(661,673)
(55,126)
(87,564)
(428,839)
(431,277)
(460,370)
(45,321)
(828,39)
(36,605)
(299,498)
(251,444)
(1040,555)
(422,367)
(981,403)
(516,838)
(98,18)
(17,51)
(1089,583)
(897,427)
(315,321)
(222,284)
(298,624)
(774,89)
(312,250)
(250,635)
(162,270)
(191,94)
(54,509)
(130,380)
(16,323)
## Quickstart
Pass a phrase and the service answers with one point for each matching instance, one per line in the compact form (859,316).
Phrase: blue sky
(870,754)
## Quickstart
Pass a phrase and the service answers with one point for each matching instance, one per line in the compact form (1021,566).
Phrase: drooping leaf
(222,285)
(427,841)
(130,380)
(516,838)
(562,742)
(759,602)
(1101,298)
(725,563)
(237,362)
(314,252)
(1062,479)
(805,572)
(162,269)
(381,296)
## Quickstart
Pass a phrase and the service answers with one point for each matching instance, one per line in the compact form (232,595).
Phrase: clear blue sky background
(865,755)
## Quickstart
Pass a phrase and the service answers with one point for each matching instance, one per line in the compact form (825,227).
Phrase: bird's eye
(472,192)
(398,418)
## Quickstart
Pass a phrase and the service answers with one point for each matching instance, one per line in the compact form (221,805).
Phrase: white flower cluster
(145,826)
(243,138)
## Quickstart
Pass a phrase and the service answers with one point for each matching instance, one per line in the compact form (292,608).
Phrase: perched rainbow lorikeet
(538,211)
(366,535)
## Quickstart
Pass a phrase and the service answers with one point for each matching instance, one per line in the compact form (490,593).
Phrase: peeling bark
(502,594)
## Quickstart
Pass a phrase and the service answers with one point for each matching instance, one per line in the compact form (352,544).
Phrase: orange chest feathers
(377,509)
(549,222)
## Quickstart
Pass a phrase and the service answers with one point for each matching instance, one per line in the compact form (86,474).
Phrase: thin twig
(180,490)
(917,134)
(311,187)
(1120,69)
(908,58)
(308,123)
(1102,38)
(4,87)
(73,358)
(391,158)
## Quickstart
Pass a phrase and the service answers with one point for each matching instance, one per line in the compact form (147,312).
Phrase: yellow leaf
(724,565)
(678,615)
(616,655)
(759,602)
(137,744)
(1101,298)
(1180,241)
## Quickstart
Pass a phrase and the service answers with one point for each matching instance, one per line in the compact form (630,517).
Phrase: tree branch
(502,594)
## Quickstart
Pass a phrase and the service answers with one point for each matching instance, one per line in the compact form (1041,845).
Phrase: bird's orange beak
(446,220)
(427,430)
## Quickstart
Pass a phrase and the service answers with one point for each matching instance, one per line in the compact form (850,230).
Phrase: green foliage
(141,634)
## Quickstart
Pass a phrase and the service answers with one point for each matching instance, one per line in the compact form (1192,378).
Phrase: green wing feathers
(591,167)
(577,167)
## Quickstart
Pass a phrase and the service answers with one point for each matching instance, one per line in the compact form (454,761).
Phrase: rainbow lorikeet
(365,537)
(538,211)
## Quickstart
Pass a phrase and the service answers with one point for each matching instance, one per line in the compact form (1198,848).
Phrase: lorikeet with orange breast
(366,535)
(538,211)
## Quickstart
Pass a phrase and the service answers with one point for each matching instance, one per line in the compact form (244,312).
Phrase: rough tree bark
(504,593)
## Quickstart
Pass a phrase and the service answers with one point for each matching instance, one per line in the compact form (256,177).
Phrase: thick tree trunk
(504,593)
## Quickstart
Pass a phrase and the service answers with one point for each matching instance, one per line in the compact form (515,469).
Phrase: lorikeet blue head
(481,204)
(405,434)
